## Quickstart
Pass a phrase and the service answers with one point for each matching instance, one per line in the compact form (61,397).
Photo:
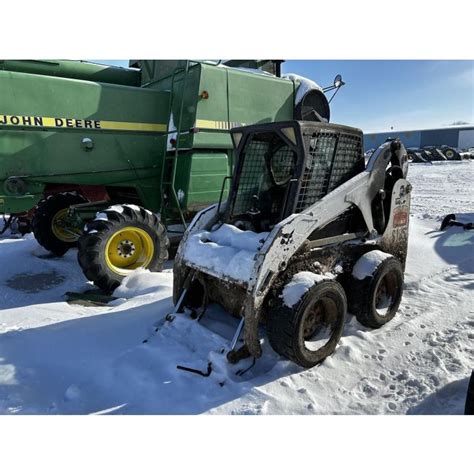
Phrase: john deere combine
(119,160)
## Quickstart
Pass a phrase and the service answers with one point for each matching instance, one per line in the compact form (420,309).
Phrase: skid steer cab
(307,233)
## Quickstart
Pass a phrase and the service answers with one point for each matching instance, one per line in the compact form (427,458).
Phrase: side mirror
(338,82)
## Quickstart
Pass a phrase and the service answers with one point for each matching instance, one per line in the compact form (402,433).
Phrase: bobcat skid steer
(308,231)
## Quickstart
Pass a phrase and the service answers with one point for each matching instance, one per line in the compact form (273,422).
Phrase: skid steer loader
(308,231)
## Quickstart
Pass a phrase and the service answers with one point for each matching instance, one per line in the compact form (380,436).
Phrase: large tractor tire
(120,240)
(375,299)
(48,222)
(309,331)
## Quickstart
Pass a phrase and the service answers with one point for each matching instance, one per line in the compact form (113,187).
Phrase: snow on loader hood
(226,251)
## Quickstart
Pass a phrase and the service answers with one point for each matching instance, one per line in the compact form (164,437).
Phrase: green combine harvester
(118,160)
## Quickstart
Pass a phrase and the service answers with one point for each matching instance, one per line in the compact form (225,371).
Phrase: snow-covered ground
(58,358)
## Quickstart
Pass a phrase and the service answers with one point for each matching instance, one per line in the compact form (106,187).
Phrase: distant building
(461,136)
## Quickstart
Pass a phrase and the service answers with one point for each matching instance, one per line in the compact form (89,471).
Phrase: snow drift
(60,358)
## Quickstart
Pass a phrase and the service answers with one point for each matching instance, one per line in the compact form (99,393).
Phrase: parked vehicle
(308,231)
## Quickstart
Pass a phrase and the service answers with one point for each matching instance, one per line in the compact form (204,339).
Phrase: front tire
(48,222)
(375,299)
(122,239)
(309,331)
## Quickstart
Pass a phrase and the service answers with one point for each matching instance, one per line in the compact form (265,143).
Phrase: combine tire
(375,299)
(308,332)
(47,223)
(123,239)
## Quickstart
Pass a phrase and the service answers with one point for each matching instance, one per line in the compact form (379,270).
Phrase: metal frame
(247,137)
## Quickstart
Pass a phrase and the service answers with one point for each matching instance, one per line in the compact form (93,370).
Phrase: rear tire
(122,241)
(46,223)
(375,300)
(293,332)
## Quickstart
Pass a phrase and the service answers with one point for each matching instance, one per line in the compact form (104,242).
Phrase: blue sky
(401,94)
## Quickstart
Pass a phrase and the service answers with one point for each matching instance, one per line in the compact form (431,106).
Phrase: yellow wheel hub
(60,229)
(128,249)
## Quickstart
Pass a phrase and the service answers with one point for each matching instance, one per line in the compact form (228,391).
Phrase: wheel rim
(386,294)
(449,154)
(128,249)
(319,323)
(60,229)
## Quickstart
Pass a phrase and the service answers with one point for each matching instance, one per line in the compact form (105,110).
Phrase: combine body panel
(58,130)
(216,99)
(67,131)
(75,70)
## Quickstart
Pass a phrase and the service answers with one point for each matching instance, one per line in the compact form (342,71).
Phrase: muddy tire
(375,300)
(46,223)
(120,241)
(309,332)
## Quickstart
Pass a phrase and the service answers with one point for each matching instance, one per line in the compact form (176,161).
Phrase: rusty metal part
(236,355)
(314,317)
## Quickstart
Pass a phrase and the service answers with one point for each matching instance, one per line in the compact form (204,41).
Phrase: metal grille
(261,153)
(317,170)
(332,159)
(282,164)
(347,162)
(250,175)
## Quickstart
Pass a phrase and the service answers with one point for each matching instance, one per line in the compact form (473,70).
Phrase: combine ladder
(168,177)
